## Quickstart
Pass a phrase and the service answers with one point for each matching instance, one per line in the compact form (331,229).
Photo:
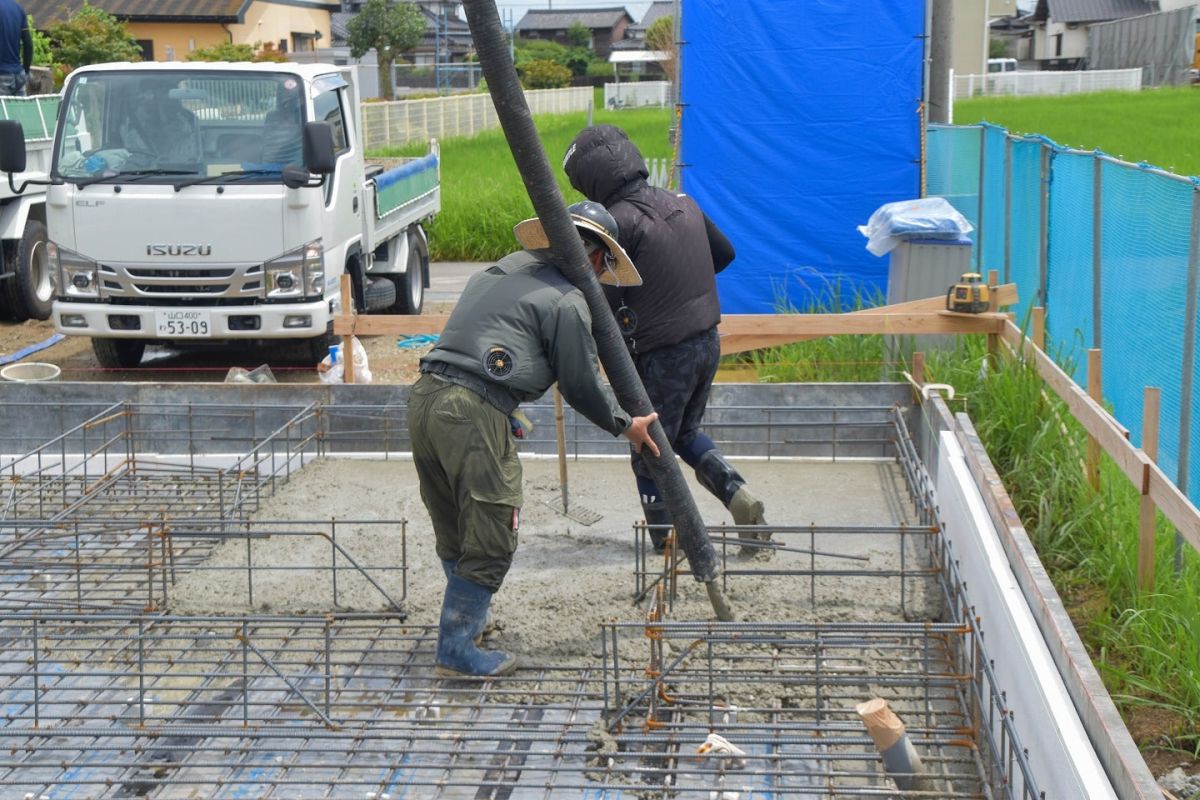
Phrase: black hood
(601,161)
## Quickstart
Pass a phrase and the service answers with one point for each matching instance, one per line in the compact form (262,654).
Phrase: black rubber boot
(464,609)
(719,477)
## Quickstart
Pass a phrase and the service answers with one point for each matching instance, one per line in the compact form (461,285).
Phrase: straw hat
(532,236)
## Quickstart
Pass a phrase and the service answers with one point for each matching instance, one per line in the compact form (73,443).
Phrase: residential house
(971,32)
(168,30)
(635,43)
(445,30)
(1060,35)
(606,25)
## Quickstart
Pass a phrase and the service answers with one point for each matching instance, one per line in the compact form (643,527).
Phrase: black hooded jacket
(674,245)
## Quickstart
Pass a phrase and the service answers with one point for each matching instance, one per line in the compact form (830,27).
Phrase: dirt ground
(389,363)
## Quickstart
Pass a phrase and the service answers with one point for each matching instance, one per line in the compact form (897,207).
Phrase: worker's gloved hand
(521,426)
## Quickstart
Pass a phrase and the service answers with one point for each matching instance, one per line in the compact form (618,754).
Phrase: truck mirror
(295,176)
(12,146)
(319,156)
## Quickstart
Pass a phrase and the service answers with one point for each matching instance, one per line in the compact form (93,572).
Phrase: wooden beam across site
(741,332)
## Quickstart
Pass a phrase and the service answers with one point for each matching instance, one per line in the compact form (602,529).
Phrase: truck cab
(184,207)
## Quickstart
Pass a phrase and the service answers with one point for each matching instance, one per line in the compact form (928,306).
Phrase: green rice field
(482,193)
(1157,126)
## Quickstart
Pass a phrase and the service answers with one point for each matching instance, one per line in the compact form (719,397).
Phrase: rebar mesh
(112,686)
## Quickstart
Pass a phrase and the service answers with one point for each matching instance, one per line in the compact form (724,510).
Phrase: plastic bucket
(30,372)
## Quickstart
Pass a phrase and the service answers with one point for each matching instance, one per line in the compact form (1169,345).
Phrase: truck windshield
(158,125)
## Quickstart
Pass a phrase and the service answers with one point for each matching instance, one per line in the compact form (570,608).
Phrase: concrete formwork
(183,618)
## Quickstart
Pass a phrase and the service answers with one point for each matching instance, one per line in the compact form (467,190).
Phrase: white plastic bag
(926,218)
(332,368)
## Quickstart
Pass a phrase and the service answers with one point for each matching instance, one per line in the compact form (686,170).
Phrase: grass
(1144,645)
(1156,126)
(482,193)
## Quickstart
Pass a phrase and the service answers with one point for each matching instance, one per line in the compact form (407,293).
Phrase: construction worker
(16,49)
(670,320)
(519,327)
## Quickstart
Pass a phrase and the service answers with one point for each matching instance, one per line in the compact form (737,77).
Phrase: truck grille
(179,283)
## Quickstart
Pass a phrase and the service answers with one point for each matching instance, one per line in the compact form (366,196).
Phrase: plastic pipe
(900,759)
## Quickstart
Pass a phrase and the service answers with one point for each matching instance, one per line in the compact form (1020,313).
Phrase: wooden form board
(1143,473)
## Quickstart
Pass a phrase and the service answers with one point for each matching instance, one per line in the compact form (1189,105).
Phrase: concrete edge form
(1115,748)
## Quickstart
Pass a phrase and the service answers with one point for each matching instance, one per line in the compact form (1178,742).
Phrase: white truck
(26,289)
(194,203)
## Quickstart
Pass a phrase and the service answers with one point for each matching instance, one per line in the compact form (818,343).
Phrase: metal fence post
(980,266)
(1188,366)
(1097,240)
(1044,229)
(1008,145)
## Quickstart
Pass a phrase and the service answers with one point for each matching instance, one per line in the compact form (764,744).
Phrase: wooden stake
(918,368)
(993,339)
(1151,404)
(348,339)
(1095,390)
(561,432)
(1038,332)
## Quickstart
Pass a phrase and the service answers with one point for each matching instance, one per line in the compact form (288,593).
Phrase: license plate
(183,322)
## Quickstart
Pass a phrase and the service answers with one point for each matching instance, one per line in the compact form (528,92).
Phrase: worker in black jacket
(670,320)
(519,327)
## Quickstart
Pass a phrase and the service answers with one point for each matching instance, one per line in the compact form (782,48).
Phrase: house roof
(540,19)
(659,8)
(47,12)
(1069,11)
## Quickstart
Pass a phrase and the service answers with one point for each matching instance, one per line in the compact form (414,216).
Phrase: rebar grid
(147,565)
(167,704)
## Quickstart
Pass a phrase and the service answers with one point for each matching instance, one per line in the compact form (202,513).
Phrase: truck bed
(406,193)
(37,115)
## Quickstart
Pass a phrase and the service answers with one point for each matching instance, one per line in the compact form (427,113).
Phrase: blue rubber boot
(489,623)
(464,609)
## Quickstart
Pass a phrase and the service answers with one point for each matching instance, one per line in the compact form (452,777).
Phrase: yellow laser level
(969,295)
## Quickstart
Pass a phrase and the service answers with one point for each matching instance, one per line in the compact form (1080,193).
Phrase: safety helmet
(598,215)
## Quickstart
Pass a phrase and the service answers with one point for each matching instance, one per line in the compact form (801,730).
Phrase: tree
(578,35)
(661,36)
(390,29)
(545,74)
(42,55)
(228,51)
(92,36)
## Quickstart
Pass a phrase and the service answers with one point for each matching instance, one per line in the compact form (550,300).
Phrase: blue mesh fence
(1036,194)
(1069,276)
(993,197)
(1024,266)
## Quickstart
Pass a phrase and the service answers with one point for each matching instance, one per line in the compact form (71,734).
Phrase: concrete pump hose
(517,122)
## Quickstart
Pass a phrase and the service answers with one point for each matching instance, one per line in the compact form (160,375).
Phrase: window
(1058,40)
(327,107)
(147,46)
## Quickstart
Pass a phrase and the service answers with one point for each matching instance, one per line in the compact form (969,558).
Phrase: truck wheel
(29,292)
(118,353)
(410,287)
(380,295)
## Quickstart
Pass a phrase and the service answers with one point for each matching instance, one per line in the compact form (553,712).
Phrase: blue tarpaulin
(800,119)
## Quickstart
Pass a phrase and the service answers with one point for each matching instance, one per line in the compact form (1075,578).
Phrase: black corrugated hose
(492,45)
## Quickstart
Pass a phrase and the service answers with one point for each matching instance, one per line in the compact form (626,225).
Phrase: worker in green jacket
(519,327)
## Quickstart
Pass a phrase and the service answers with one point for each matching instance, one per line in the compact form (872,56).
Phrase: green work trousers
(470,477)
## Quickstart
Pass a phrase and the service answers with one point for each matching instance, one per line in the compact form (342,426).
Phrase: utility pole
(941,55)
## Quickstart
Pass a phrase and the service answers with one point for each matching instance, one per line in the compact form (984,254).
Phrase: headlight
(76,274)
(297,273)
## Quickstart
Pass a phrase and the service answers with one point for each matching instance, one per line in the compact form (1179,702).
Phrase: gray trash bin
(921,268)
